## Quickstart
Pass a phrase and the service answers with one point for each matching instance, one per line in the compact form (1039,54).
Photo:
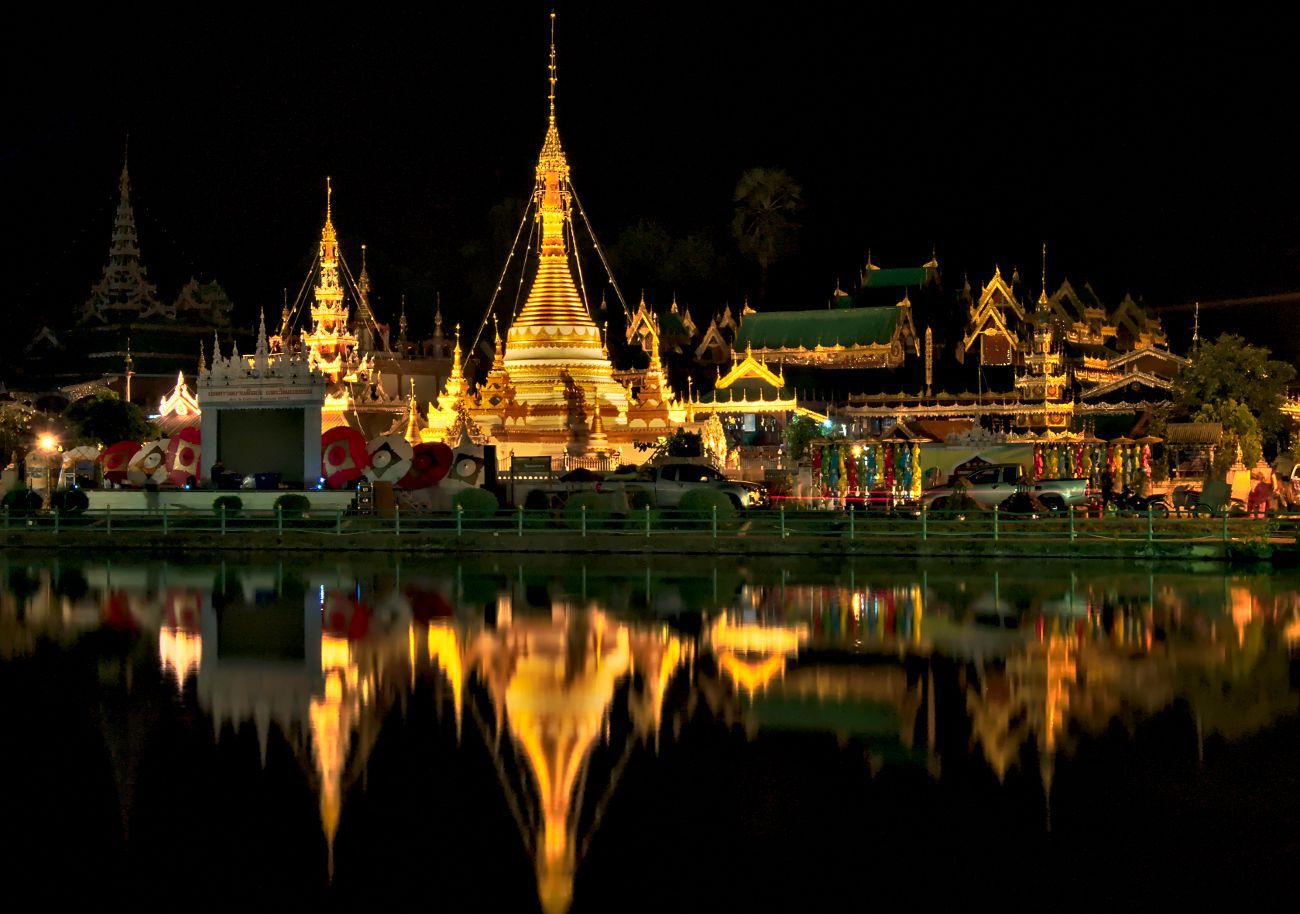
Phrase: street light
(48,445)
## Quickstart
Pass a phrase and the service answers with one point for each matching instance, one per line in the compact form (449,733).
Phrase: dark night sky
(1145,148)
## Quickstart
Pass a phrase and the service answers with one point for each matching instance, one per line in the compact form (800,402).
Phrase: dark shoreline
(685,544)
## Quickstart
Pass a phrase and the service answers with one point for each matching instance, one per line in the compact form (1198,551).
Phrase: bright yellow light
(48,443)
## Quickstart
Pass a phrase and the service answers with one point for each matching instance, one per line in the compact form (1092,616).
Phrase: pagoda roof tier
(1144,378)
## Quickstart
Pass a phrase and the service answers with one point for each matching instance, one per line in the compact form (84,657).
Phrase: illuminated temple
(552,389)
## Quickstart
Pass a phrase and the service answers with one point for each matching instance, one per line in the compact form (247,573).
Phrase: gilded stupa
(552,388)
(554,348)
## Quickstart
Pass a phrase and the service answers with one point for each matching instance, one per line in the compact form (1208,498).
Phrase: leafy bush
(22,501)
(69,502)
(477,504)
(537,500)
(600,511)
(639,500)
(232,504)
(960,499)
(293,505)
(699,504)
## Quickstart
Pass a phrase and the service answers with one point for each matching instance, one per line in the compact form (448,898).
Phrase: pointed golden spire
(412,418)
(552,70)
(455,356)
(1042,296)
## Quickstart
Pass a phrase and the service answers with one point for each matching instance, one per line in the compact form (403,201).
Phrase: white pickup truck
(668,482)
(991,485)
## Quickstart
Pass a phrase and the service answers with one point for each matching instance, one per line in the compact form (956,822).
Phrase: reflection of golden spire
(444,649)
(332,716)
(181,653)
(555,702)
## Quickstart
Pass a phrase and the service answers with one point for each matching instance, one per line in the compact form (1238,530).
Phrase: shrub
(22,501)
(232,504)
(699,504)
(293,505)
(600,511)
(960,499)
(537,500)
(639,500)
(477,504)
(70,502)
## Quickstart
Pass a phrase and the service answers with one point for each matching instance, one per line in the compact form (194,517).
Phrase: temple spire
(552,71)
(124,290)
(1042,295)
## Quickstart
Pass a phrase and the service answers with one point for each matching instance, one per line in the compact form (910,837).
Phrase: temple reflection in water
(567,674)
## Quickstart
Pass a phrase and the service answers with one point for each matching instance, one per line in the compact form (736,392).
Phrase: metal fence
(921,525)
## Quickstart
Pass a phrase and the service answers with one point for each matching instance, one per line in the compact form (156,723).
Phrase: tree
(799,433)
(15,430)
(105,418)
(764,225)
(1230,369)
(1240,435)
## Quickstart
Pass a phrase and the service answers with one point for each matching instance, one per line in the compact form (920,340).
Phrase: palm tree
(764,226)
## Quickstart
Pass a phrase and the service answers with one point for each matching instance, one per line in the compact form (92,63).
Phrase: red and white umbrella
(390,458)
(183,456)
(429,464)
(343,457)
(148,464)
(116,458)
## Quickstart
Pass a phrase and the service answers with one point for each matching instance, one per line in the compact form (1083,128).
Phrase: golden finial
(329,192)
(552,69)
(1044,267)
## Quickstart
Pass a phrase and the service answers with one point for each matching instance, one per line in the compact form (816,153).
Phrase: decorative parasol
(390,458)
(183,456)
(466,468)
(1122,439)
(429,464)
(343,456)
(1149,439)
(148,464)
(116,457)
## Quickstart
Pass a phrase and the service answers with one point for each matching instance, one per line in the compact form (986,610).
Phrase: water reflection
(567,674)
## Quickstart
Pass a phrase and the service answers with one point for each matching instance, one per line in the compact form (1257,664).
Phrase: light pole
(49,446)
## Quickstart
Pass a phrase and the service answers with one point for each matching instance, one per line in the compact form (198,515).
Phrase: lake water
(617,734)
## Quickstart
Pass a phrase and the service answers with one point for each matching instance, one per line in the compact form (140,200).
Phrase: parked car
(668,482)
(991,485)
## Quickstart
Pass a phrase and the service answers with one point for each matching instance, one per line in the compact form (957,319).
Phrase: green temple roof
(809,329)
